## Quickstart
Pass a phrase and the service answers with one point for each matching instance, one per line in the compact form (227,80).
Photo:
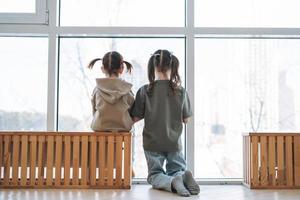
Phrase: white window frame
(39,17)
(53,31)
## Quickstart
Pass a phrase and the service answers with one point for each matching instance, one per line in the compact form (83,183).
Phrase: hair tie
(171,56)
(155,54)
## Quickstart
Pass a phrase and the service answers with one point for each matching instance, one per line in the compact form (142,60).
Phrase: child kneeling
(164,105)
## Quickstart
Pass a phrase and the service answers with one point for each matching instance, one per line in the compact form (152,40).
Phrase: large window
(23,80)
(76,82)
(251,86)
(238,60)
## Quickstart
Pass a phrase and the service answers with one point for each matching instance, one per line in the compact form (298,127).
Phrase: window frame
(53,31)
(39,17)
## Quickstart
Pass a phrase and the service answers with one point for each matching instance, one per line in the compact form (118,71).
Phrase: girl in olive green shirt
(164,105)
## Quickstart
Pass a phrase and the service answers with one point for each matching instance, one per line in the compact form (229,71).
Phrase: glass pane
(76,82)
(122,13)
(247,13)
(23,80)
(242,85)
(17,6)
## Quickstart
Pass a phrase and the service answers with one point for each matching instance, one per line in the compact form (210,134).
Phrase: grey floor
(145,192)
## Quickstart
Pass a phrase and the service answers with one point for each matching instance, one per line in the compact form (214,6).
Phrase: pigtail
(151,74)
(175,80)
(92,63)
(128,66)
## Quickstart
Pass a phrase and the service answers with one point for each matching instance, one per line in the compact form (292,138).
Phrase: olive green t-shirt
(163,112)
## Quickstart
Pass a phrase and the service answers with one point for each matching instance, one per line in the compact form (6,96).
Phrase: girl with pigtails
(164,105)
(112,96)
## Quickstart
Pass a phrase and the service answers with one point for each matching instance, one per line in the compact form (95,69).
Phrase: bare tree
(259,117)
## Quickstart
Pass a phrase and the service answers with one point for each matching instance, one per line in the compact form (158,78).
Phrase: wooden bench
(65,160)
(271,160)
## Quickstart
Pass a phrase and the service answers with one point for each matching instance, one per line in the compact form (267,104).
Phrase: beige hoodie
(111,101)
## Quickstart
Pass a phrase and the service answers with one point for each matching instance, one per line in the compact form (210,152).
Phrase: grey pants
(157,176)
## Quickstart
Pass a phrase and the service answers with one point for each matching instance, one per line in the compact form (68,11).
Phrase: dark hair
(164,60)
(112,62)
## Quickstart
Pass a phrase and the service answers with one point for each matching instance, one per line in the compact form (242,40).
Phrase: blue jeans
(157,176)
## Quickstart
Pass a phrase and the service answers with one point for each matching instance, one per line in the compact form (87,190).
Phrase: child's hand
(186,120)
(136,119)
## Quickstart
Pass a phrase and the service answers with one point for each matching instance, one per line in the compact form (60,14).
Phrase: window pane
(242,85)
(247,13)
(76,82)
(17,6)
(122,13)
(23,80)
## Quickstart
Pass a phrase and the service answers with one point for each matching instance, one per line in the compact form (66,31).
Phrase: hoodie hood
(112,89)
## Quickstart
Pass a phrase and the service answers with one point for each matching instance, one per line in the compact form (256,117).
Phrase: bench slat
(289,160)
(58,158)
(33,145)
(254,159)
(272,161)
(248,160)
(84,159)
(76,157)
(24,161)
(93,159)
(119,146)
(102,159)
(67,165)
(127,161)
(280,160)
(50,156)
(245,161)
(15,164)
(7,157)
(263,158)
(41,148)
(110,161)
